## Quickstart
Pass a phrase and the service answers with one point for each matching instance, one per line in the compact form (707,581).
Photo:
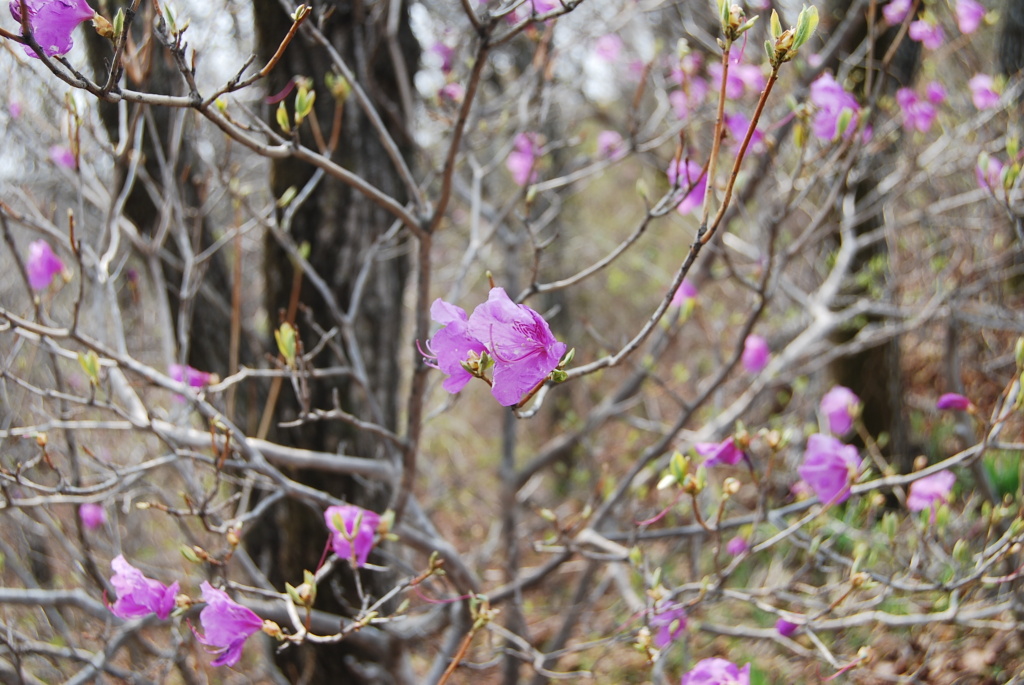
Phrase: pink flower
(717,672)
(670,622)
(931,491)
(226,624)
(983,94)
(935,92)
(520,161)
(14,109)
(42,265)
(725,452)
(686,293)
(929,35)
(918,114)
(62,157)
(737,125)
(969,14)
(452,92)
(951,401)
(738,545)
(454,345)
(688,98)
(785,628)
(609,144)
(194,378)
(755,353)
(740,79)
(829,467)
(520,342)
(608,47)
(92,515)
(446,53)
(138,595)
(52,22)
(839,406)
(828,96)
(989,173)
(688,175)
(896,11)
(346,538)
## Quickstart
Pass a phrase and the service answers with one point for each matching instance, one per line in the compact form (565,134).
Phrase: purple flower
(983,94)
(42,265)
(138,595)
(918,114)
(670,622)
(785,628)
(725,452)
(688,175)
(717,672)
(896,11)
(520,161)
(688,98)
(989,173)
(839,406)
(738,545)
(446,53)
(951,401)
(755,353)
(737,125)
(609,144)
(62,157)
(828,96)
(931,491)
(935,92)
(829,467)
(226,624)
(346,537)
(194,378)
(92,515)
(929,35)
(453,345)
(520,341)
(969,14)
(452,92)
(740,79)
(52,22)
(685,294)
(608,47)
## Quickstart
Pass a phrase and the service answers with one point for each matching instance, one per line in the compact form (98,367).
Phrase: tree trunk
(341,228)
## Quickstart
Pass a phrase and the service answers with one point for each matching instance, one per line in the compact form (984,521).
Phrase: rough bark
(340,226)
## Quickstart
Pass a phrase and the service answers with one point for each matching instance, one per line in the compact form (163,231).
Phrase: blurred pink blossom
(755,353)
(935,92)
(226,624)
(452,92)
(716,672)
(740,79)
(62,157)
(931,491)
(14,108)
(829,467)
(929,35)
(609,144)
(831,100)
(983,93)
(839,406)
(608,47)
(138,595)
(725,452)
(896,11)
(360,527)
(951,401)
(737,125)
(785,628)
(989,173)
(669,621)
(917,114)
(521,160)
(92,515)
(969,14)
(194,378)
(687,174)
(738,545)
(685,293)
(689,97)
(42,265)
(446,53)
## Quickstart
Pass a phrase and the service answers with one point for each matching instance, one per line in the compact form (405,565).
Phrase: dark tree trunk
(875,374)
(341,227)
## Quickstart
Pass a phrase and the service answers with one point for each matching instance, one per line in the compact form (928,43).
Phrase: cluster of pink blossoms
(515,337)
(352,532)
